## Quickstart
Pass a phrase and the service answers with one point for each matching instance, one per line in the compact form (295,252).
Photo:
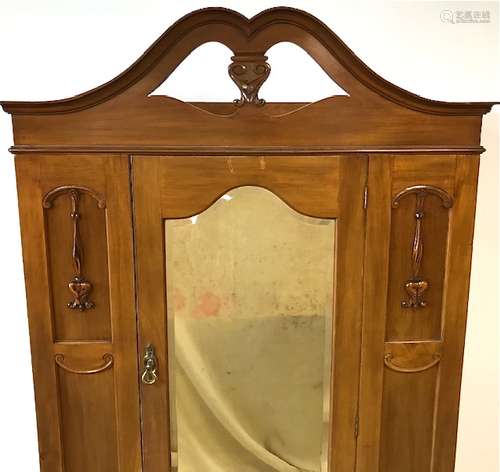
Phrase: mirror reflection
(250,301)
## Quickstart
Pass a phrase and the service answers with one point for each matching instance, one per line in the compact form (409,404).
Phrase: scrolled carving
(249,71)
(416,285)
(424,190)
(79,287)
(412,356)
(54,193)
(389,363)
(107,358)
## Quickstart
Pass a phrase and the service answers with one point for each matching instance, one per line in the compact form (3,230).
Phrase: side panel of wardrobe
(78,260)
(417,263)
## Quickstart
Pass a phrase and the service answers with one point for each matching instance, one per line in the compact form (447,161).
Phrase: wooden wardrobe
(314,259)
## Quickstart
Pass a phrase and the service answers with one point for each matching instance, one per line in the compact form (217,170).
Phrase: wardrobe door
(418,253)
(249,283)
(77,247)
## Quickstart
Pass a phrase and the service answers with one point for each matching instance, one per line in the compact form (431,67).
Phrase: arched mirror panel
(250,308)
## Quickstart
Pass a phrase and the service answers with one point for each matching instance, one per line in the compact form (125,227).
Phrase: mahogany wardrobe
(247,286)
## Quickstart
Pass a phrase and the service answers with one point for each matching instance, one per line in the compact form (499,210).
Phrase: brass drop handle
(149,376)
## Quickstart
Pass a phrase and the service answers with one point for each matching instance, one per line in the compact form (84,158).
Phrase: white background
(55,49)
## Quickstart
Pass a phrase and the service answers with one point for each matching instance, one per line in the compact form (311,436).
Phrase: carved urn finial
(249,71)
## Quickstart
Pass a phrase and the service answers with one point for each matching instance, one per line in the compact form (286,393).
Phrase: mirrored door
(249,335)
(247,370)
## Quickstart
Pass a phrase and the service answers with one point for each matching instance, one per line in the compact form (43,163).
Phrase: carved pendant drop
(79,287)
(416,286)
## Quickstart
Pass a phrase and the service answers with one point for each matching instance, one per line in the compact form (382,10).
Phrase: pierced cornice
(240,34)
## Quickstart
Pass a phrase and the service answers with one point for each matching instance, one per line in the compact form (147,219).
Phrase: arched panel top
(187,191)
(222,197)
(249,39)
(224,193)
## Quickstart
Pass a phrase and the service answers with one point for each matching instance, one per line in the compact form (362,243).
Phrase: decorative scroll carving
(413,356)
(79,287)
(389,362)
(107,358)
(249,72)
(54,193)
(416,286)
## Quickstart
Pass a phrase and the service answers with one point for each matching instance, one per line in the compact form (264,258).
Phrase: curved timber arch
(121,116)
(243,35)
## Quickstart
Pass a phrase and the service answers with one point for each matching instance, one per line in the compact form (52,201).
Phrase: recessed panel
(88,420)
(422,249)
(78,324)
(408,421)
